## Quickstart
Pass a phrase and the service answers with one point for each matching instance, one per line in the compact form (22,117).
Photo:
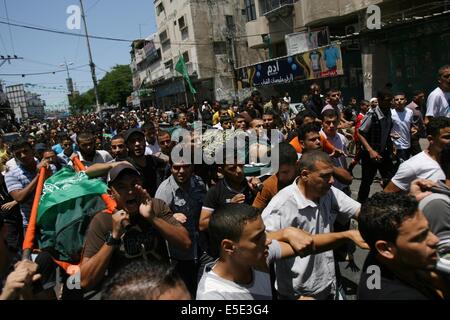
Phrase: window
(159,9)
(168,64)
(183,28)
(230,22)
(186,56)
(165,41)
(250,9)
(181,23)
(220,47)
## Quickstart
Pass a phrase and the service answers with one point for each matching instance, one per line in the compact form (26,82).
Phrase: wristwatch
(110,241)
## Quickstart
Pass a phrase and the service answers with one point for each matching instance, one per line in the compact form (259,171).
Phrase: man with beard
(152,146)
(88,154)
(184,192)
(137,230)
(150,167)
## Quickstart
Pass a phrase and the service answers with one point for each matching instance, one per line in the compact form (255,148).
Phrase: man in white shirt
(425,164)
(402,119)
(438,101)
(312,204)
(330,124)
(88,154)
(238,237)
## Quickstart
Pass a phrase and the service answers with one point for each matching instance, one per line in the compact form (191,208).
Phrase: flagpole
(185,93)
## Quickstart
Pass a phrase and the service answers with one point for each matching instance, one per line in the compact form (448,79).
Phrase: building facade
(411,43)
(210,35)
(25,105)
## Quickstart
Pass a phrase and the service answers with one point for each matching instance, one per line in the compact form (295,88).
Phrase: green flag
(181,68)
(69,201)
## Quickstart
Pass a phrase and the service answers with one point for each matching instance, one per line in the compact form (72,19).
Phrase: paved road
(351,278)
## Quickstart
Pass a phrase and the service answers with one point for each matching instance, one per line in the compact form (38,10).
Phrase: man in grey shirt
(313,205)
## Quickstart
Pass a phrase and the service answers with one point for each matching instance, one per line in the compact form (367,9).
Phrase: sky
(45,52)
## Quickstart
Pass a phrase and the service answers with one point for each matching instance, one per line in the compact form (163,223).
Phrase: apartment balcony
(276,7)
(254,29)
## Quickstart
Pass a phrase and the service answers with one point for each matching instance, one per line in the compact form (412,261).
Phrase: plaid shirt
(376,128)
(17,178)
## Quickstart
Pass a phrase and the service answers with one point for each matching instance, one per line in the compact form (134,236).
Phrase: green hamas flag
(69,201)
(181,68)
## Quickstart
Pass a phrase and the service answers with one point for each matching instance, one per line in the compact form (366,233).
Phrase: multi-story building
(25,104)
(147,69)
(406,49)
(6,113)
(18,101)
(210,34)
(35,106)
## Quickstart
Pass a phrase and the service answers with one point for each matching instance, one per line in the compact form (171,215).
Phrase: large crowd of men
(190,229)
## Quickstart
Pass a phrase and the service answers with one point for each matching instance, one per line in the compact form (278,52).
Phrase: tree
(114,88)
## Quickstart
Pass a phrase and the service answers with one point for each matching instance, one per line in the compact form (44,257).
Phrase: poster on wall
(315,64)
(308,40)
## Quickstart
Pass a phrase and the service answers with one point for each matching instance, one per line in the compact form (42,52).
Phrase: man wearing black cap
(150,167)
(137,230)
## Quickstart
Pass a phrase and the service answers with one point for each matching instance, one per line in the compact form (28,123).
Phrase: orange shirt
(326,145)
(269,190)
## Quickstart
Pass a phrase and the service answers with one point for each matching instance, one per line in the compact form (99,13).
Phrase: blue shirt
(57,148)
(331,56)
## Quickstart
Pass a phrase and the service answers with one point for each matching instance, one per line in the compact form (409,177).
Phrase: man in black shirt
(403,250)
(375,137)
(150,167)
(233,188)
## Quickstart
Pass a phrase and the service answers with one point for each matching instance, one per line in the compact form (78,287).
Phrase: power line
(9,27)
(93,37)
(40,73)
(92,5)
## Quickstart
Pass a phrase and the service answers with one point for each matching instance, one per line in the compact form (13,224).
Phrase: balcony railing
(271,6)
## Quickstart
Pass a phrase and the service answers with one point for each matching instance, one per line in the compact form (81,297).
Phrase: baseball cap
(115,172)
(131,131)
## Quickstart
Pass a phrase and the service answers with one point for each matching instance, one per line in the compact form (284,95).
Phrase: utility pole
(4,59)
(91,63)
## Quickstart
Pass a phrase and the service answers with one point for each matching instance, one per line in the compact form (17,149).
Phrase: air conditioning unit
(352,28)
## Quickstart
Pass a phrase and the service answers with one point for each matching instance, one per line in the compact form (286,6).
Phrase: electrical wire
(9,27)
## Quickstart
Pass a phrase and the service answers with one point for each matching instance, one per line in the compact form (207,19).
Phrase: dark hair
(300,118)
(442,69)
(329,92)
(382,214)
(445,160)
(85,136)
(18,144)
(141,280)
(330,113)
(117,137)
(163,133)
(436,124)
(400,94)
(148,126)
(384,94)
(364,102)
(307,128)
(418,92)
(227,222)
(225,118)
(286,153)
(309,159)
